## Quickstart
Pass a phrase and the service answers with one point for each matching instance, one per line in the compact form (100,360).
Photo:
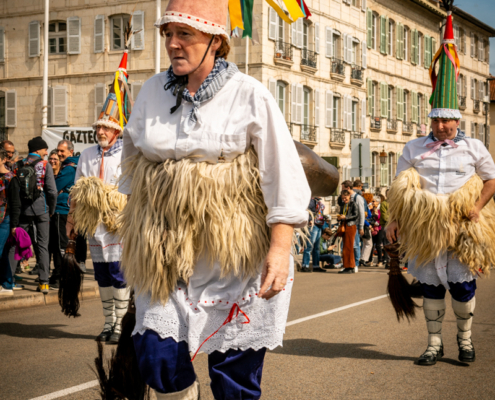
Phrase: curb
(39,299)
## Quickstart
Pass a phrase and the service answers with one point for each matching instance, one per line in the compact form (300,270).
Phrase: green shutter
(383,99)
(369,27)
(417,46)
(400,103)
(426,110)
(387,33)
(369,87)
(383,38)
(433,49)
(397,41)
(414,110)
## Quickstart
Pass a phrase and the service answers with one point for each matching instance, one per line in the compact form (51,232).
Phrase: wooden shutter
(383,99)
(363,5)
(135,88)
(473,93)
(73,35)
(400,104)
(487,57)
(344,112)
(10,108)
(49,107)
(317,38)
(2,44)
(317,107)
(433,49)
(416,47)
(369,90)
(272,87)
(349,113)
(294,34)
(99,33)
(329,42)
(272,24)
(387,33)
(344,38)
(59,105)
(363,115)
(472,44)
(414,108)
(369,27)
(426,109)
(138,24)
(299,26)
(329,109)
(364,50)
(400,54)
(300,101)
(464,40)
(34,39)
(100,97)
(383,34)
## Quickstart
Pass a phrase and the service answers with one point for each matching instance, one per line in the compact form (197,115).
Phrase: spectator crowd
(34,205)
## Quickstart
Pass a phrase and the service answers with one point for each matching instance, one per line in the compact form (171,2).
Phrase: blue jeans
(312,246)
(6,275)
(357,247)
(166,367)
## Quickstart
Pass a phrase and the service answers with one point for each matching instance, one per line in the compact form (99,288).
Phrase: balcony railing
(338,66)
(376,123)
(462,102)
(337,136)
(308,58)
(476,106)
(356,135)
(357,72)
(283,51)
(407,127)
(308,133)
(392,125)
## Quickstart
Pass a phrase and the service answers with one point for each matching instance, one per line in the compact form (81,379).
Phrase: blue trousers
(166,367)
(6,274)
(357,247)
(462,292)
(330,258)
(312,247)
(109,274)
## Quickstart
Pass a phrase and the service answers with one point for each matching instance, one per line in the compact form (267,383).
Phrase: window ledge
(337,77)
(392,130)
(309,143)
(284,63)
(308,69)
(56,56)
(375,129)
(357,82)
(337,145)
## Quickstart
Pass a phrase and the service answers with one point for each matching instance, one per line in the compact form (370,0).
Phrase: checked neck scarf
(117,146)
(460,136)
(220,74)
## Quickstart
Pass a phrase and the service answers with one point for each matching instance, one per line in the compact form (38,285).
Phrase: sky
(484,10)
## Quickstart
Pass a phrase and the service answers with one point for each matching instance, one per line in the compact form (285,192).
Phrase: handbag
(340,230)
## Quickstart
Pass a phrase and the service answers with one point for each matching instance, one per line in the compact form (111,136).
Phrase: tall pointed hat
(444,98)
(118,105)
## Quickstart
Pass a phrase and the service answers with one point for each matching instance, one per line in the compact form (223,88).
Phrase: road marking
(66,392)
(88,385)
(322,314)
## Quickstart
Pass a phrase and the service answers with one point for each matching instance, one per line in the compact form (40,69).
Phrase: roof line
(474,20)
(435,10)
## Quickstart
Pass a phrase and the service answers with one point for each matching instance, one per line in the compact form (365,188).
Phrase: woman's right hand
(392,232)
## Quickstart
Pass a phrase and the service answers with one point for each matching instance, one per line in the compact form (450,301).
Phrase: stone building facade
(355,69)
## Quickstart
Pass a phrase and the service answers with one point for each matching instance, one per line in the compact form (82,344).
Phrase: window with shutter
(363,116)
(99,33)
(369,90)
(135,89)
(329,109)
(34,39)
(293,99)
(364,50)
(463,41)
(317,38)
(344,38)
(363,5)
(414,108)
(456,35)
(399,35)
(473,134)
(328,42)
(138,25)
(383,100)
(473,93)
(369,28)
(281,98)
(433,49)
(100,97)
(463,126)
(344,113)
(10,108)
(59,105)
(300,100)
(73,35)
(2,44)
(300,28)
(272,24)
(487,51)
(472,44)
(417,46)
(400,103)
(349,49)
(383,34)
(317,107)
(272,87)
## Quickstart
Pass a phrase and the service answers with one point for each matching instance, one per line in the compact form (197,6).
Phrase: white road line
(88,385)
(66,392)
(322,314)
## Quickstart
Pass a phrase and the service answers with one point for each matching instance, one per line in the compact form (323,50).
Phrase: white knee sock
(434,313)
(464,314)
(121,299)
(106,296)
(190,393)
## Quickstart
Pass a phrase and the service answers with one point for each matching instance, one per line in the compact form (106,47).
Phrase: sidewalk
(29,297)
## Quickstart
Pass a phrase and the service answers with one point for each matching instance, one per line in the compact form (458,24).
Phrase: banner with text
(82,138)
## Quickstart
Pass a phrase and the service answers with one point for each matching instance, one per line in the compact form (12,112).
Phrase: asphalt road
(360,352)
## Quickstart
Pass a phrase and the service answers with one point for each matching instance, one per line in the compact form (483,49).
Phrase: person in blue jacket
(64,181)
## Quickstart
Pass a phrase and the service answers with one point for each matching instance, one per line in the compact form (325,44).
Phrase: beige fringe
(96,202)
(430,224)
(180,210)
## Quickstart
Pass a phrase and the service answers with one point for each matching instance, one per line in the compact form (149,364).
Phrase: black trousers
(381,242)
(58,243)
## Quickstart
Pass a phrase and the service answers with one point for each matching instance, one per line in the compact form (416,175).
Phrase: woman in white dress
(204,144)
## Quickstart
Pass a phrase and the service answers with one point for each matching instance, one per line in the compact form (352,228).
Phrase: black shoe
(114,338)
(318,269)
(361,263)
(466,350)
(55,285)
(105,335)
(305,269)
(431,355)
(347,271)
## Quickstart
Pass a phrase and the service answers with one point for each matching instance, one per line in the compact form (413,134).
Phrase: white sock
(106,296)
(121,299)
(434,313)
(464,314)
(190,393)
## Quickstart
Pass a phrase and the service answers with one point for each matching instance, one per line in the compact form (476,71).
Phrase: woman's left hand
(275,273)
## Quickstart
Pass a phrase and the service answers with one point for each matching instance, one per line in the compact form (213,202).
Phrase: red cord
(227,320)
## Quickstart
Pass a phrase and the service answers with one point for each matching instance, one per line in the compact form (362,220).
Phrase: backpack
(28,185)
(319,217)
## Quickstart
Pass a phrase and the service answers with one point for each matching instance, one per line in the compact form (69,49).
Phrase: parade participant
(442,212)
(95,203)
(348,217)
(216,189)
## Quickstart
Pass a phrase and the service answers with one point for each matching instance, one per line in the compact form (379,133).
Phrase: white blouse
(443,172)
(242,114)
(104,246)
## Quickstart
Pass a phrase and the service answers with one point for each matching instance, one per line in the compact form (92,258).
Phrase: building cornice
(475,21)
(430,7)
(332,18)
